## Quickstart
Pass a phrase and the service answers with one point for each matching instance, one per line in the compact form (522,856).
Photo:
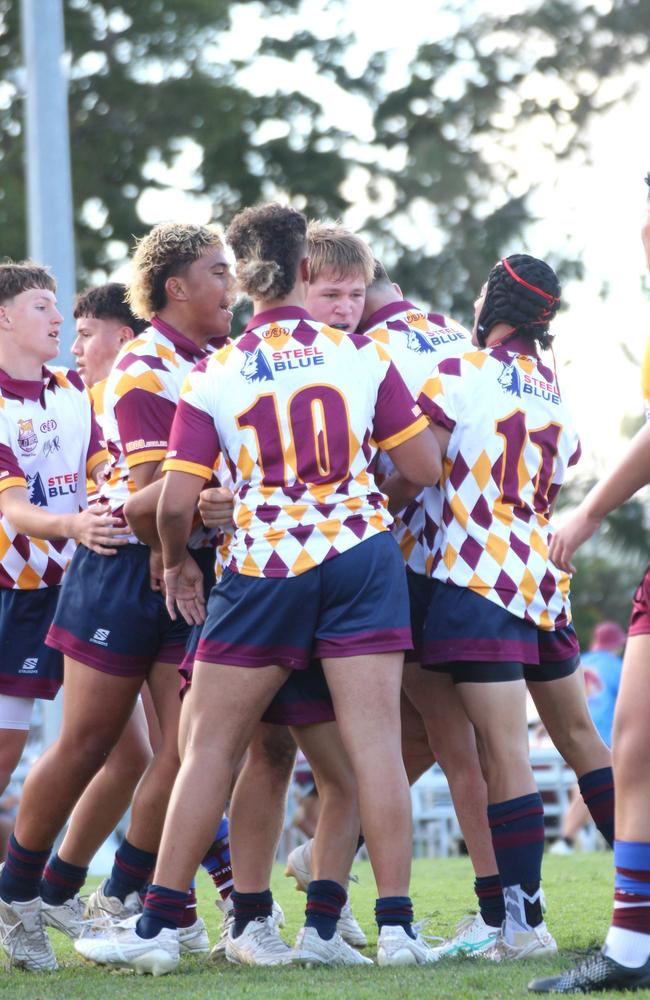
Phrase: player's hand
(99,530)
(156,571)
(184,589)
(216,506)
(570,536)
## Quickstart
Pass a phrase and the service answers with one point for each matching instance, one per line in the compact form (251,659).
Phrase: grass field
(578,891)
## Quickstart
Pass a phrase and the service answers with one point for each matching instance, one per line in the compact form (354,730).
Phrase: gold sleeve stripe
(409,432)
(6,484)
(193,468)
(148,455)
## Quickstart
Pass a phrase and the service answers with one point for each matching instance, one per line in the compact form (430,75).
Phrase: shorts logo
(29,666)
(509,379)
(100,638)
(27,440)
(36,490)
(256,368)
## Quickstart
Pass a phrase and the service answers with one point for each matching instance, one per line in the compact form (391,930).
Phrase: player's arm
(140,512)
(631,473)
(180,491)
(94,527)
(401,429)
(401,490)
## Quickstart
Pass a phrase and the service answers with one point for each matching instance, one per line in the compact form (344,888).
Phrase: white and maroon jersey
(139,402)
(512,441)
(49,443)
(297,410)
(416,343)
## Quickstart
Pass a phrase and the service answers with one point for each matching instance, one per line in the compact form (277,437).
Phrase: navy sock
(22,873)
(395,911)
(249,906)
(597,789)
(517,827)
(61,881)
(132,869)
(325,900)
(490,899)
(162,908)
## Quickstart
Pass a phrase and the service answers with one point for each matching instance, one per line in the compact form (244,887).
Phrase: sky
(593,205)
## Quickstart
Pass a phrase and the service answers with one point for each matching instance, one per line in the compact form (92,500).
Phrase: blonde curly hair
(167,250)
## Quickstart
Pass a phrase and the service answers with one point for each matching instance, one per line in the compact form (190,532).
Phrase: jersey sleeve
(397,416)
(144,420)
(194,445)
(436,397)
(10,472)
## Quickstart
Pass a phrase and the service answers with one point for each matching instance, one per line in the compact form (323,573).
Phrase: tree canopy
(438,190)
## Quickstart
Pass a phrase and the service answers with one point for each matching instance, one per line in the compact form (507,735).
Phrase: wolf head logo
(509,379)
(256,368)
(419,343)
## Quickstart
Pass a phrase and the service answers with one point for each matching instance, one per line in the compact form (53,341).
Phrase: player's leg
(560,699)
(257,806)
(496,706)
(96,707)
(109,794)
(452,740)
(15,721)
(624,963)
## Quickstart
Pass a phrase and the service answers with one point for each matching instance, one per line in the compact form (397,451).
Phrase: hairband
(533,288)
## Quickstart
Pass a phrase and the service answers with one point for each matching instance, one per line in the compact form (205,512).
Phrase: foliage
(439,189)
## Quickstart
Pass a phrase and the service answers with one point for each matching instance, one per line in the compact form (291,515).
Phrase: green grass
(578,891)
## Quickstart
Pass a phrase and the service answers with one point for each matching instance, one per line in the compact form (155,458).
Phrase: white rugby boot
(472,937)
(120,947)
(23,936)
(100,905)
(225,905)
(299,867)
(194,940)
(396,947)
(537,942)
(258,944)
(311,949)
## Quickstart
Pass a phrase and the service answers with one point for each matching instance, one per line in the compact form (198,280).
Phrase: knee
(276,749)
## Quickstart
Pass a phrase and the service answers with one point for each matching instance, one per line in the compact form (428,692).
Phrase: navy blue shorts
(420,589)
(28,668)
(352,604)
(303,700)
(109,618)
(475,639)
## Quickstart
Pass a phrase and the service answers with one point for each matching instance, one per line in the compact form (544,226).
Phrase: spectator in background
(602,672)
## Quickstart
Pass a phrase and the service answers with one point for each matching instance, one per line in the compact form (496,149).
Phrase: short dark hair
(21,277)
(268,242)
(379,274)
(108,302)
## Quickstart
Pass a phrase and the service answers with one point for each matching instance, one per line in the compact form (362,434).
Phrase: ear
(125,333)
(5,318)
(398,290)
(175,289)
(305,269)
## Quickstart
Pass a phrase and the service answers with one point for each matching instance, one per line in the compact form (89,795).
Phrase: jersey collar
(385,313)
(515,345)
(276,316)
(185,347)
(26,388)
